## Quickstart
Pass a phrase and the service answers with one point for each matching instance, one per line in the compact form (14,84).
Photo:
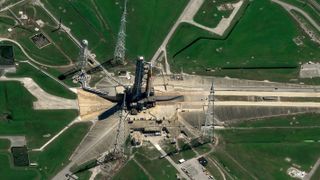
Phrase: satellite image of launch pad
(159,89)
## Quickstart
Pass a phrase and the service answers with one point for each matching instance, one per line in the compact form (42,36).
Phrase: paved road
(178,167)
(191,8)
(88,145)
(57,135)
(223,24)
(44,99)
(235,92)
(266,94)
(259,103)
(30,58)
(313,170)
(187,16)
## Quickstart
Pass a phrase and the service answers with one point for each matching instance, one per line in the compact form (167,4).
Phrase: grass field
(132,171)
(307,7)
(8,172)
(152,166)
(316,175)
(84,175)
(270,159)
(52,159)
(285,121)
(267,153)
(213,170)
(229,165)
(26,121)
(61,50)
(59,151)
(260,40)
(209,15)
(45,82)
(147,24)
(185,152)
(4,144)
(148,157)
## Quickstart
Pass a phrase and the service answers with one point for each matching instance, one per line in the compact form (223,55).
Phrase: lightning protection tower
(82,76)
(207,129)
(119,52)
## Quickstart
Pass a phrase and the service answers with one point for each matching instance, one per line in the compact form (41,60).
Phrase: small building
(136,138)
(7,61)
(181,161)
(152,131)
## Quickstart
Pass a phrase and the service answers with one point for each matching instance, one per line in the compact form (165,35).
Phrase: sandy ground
(16,141)
(91,105)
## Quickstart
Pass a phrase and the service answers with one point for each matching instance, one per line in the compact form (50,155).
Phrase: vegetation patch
(7,171)
(37,125)
(20,156)
(45,82)
(211,12)
(4,144)
(197,51)
(69,140)
(265,151)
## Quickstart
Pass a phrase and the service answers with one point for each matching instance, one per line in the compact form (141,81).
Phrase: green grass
(18,54)
(307,7)
(51,54)
(202,149)
(260,34)
(185,152)
(148,23)
(4,144)
(148,157)
(52,159)
(61,50)
(159,169)
(79,16)
(48,55)
(84,175)
(131,171)
(270,135)
(214,171)
(268,153)
(148,150)
(45,82)
(316,175)
(27,121)
(267,161)
(229,165)
(146,33)
(284,121)
(56,155)
(7,171)
(6,20)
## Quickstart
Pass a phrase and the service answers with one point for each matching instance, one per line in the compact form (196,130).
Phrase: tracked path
(30,58)
(290,7)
